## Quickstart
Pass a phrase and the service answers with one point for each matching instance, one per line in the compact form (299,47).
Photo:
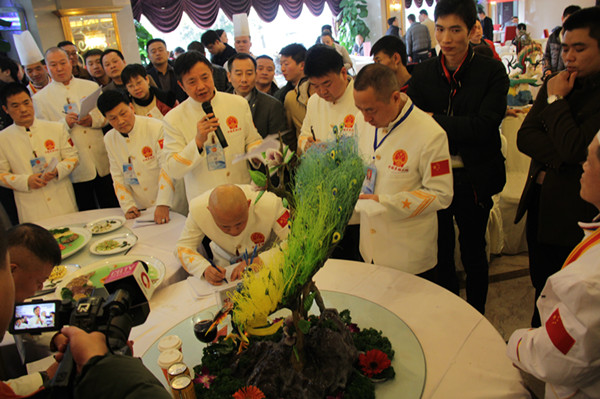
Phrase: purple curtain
(166,14)
(429,2)
(419,3)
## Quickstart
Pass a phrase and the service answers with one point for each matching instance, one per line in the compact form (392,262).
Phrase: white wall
(376,19)
(546,14)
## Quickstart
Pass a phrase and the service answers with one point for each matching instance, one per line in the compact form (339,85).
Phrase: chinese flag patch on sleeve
(161,142)
(70,142)
(558,333)
(440,168)
(283,219)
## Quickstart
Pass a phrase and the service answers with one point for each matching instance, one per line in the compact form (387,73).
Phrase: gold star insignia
(406,204)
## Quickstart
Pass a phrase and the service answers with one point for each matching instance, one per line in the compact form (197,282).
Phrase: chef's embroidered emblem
(147,152)
(440,168)
(558,334)
(232,122)
(349,121)
(49,144)
(258,238)
(400,158)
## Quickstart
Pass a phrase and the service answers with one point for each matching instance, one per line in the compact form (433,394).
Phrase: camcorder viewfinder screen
(35,317)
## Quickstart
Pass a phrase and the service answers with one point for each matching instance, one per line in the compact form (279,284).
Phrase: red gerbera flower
(249,392)
(373,362)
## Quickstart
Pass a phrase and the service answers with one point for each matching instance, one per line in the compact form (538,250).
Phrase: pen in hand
(217,269)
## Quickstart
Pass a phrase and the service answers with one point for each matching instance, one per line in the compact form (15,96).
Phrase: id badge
(368,186)
(37,164)
(71,107)
(215,156)
(129,175)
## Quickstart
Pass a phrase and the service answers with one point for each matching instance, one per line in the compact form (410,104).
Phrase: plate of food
(70,239)
(58,274)
(105,225)
(113,244)
(81,283)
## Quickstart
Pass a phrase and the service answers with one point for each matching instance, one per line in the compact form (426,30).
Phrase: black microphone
(209,110)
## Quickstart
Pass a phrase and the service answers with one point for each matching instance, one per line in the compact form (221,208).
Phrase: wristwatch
(554,97)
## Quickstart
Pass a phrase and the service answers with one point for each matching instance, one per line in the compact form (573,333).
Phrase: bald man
(236,223)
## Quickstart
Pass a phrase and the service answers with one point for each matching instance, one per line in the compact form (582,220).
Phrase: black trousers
(544,259)
(471,215)
(96,193)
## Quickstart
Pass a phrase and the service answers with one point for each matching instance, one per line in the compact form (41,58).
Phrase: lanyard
(375,145)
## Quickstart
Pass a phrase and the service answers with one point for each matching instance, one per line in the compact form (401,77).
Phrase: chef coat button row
(145,188)
(373,231)
(139,173)
(90,147)
(378,157)
(228,173)
(48,199)
(84,132)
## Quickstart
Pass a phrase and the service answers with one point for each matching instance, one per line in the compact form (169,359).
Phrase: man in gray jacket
(418,41)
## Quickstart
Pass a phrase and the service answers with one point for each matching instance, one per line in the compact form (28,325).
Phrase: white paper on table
(369,207)
(145,219)
(200,287)
(89,103)
(271,142)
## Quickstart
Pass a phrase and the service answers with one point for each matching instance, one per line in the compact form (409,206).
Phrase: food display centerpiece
(301,355)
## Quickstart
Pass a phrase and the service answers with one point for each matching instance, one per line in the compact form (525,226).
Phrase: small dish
(105,225)
(113,244)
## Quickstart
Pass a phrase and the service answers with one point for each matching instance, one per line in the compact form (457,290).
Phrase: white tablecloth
(157,240)
(465,355)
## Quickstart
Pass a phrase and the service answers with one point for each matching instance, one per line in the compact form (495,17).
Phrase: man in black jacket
(161,70)
(555,134)
(466,94)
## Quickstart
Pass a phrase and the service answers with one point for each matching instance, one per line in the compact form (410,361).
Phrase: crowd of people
(167,136)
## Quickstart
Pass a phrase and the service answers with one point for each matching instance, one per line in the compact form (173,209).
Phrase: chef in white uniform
(192,149)
(27,148)
(236,224)
(565,351)
(134,147)
(60,101)
(409,174)
(330,112)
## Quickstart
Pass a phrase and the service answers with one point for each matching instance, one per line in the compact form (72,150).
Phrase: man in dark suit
(161,71)
(555,134)
(486,24)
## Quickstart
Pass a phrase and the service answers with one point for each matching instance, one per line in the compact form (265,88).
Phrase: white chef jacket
(49,105)
(413,181)
(142,148)
(328,119)
(17,148)
(150,110)
(183,160)
(565,351)
(265,217)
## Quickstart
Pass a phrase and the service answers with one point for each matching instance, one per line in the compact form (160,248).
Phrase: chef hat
(240,25)
(29,52)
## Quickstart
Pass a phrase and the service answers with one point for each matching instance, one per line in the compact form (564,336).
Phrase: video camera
(113,310)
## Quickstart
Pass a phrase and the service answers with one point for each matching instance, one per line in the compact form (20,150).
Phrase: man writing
(27,148)
(409,174)
(466,94)
(236,224)
(192,149)
(562,122)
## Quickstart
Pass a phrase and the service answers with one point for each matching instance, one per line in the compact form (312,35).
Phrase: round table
(465,355)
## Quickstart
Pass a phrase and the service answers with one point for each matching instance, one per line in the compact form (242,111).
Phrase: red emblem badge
(558,334)
(49,144)
(258,238)
(440,168)
(283,219)
(232,122)
(147,152)
(161,142)
(349,121)
(400,158)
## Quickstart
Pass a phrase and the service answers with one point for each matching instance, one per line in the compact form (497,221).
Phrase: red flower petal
(373,362)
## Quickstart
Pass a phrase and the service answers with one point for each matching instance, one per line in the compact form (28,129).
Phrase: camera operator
(100,374)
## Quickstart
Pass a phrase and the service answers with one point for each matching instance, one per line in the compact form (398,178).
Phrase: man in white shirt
(27,147)
(409,174)
(331,112)
(192,148)
(60,101)
(134,147)
(236,224)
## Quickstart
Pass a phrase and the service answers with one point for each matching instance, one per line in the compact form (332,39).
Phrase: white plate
(127,240)
(124,260)
(84,237)
(112,224)
(70,269)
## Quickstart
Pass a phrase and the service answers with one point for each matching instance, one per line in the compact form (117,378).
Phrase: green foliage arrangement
(351,22)
(143,36)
